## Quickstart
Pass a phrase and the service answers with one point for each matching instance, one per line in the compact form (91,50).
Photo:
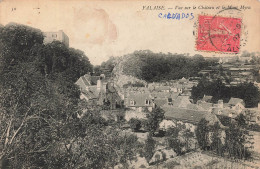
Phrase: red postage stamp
(219,34)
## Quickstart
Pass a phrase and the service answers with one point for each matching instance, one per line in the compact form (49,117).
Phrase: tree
(236,139)
(135,124)
(38,112)
(201,132)
(187,137)
(246,91)
(153,67)
(172,135)
(154,119)
(55,59)
(252,95)
(241,120)
(40,125)
(216,143)
(149,147)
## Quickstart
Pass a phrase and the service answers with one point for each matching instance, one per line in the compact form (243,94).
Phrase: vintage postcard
(129,84)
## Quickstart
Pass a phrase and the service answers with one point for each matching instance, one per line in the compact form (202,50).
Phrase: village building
(236,104)
(97,90)
(232,109)
(252,115)
(139,101)
(189,115)
(181,102)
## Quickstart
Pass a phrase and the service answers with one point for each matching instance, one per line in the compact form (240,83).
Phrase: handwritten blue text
(176,16)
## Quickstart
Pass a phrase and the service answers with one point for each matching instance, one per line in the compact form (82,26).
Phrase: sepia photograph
(129,84)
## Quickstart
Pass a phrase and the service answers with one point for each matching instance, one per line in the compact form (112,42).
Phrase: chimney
(220,104)
(99,85)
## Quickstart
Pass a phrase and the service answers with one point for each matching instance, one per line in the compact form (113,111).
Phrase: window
(169,100)
(132,102)
(147,102)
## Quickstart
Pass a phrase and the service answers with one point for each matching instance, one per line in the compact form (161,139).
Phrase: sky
(114,28)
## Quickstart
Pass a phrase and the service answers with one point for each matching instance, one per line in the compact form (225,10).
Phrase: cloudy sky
(115,28)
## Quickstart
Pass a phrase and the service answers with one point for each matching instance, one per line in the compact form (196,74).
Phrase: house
(139,101)
(97,90)
(252,115)
(231,109)
(183,80)
(162,98)
(112,96)
(236,104)
(90,94)
(225,112)
(188,115)
(177,88)
(205,105)
(181,101)
(88,80)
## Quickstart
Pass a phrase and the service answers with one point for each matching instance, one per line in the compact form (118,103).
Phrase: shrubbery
(246,91)
(237,141)
(135,124)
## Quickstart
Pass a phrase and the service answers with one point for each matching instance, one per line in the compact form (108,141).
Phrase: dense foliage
(153,67)
(39,108)
(172,137)
(105,67)
(246,91)
(135,124)
(202,132)
(154,118)
(149,147)
(233,141)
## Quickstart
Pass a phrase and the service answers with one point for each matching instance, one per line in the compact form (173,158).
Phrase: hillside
(154,67)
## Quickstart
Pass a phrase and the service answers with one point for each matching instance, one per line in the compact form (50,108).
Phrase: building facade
(56,36)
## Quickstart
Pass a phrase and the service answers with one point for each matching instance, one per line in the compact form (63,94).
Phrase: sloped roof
(194,107)
(183,79)
(91,93)
(206,106)
(87,80)
(160,88)
(188,115)
(82,82)
(160,102)
(181,101)
(139,99)
(174,95)
(156,94)
(234,101)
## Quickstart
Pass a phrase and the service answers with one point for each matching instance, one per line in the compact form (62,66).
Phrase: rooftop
(188,115)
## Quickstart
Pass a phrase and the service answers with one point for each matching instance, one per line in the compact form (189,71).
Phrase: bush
(254,127)
(226,121)
(135,124)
